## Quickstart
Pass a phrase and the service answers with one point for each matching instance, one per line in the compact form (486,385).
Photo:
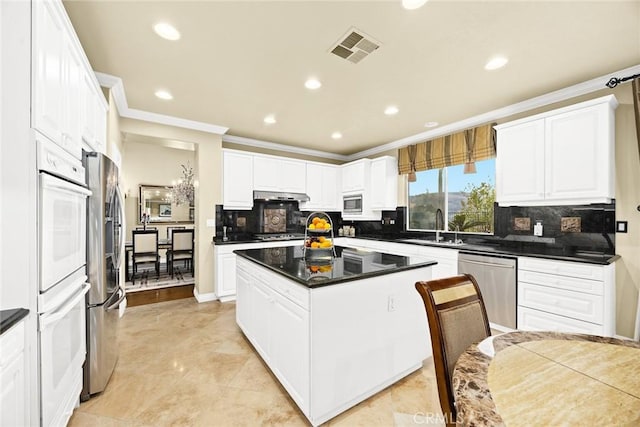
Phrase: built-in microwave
(352,204)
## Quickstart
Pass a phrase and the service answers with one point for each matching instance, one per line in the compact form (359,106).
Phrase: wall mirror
(156,201)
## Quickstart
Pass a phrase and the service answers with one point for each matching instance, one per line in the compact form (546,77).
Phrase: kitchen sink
(431,242)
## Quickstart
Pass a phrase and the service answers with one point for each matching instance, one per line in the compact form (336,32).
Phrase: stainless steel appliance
(62,200)
(496,277)
(352,204)
(105,255)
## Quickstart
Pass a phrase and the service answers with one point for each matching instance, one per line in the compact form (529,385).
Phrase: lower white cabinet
(225,264)
(333,346)
(446,258)
(566,296)
(13,399)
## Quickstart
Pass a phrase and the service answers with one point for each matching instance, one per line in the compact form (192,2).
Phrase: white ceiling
(238,61)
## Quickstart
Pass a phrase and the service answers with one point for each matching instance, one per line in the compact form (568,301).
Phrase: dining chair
(145,250)
(457,318)
(170,230)
(182,246)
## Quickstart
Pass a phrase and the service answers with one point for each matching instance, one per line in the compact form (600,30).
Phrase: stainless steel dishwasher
(496,277)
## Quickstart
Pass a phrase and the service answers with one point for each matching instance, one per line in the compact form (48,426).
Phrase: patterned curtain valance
(468,146)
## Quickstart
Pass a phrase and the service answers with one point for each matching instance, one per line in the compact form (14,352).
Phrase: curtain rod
(615,81)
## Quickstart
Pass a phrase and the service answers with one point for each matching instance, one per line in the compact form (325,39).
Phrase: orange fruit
(327,226)
(314,268)
(321,239)
(315,245)
(315,220)
(312,227)
(325,244)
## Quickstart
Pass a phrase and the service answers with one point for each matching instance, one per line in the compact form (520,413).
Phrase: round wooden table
(548,378)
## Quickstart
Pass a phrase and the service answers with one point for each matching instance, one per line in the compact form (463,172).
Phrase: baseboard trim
(210,296)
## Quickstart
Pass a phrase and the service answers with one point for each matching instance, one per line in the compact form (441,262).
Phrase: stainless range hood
(277,196)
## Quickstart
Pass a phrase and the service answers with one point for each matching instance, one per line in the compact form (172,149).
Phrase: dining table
(548,378)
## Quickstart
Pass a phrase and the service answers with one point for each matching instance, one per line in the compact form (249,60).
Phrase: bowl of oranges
(319,242)
(319,224)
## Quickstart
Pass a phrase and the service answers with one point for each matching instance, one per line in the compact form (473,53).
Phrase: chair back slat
(145,241)
(182,240)
(170,231)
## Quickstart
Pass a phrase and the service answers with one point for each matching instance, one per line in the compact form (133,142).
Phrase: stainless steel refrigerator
(105,255)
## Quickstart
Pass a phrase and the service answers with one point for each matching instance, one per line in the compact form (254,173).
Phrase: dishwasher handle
(489,264)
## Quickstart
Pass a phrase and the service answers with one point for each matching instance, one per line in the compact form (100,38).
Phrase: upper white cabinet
(237,180)
(355,176)
(279,174)
(61,81)
(384,183)
(323,182)
(564,156)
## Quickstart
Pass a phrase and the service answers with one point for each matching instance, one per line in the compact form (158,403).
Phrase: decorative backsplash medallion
(571,224)
(521,224)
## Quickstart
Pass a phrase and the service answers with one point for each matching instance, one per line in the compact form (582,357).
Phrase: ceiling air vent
(354,46)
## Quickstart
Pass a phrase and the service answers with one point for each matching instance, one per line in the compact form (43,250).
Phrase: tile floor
(187,364)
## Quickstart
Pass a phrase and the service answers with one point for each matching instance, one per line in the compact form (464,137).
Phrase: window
(466,200)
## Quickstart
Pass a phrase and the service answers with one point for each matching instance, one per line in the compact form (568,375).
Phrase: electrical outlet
(391,303)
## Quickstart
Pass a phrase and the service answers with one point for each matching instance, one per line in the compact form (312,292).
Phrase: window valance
(468,146)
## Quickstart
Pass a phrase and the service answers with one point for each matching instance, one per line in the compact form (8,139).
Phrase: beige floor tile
(187,364)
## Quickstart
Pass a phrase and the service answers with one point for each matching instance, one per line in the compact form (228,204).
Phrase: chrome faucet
(439,218)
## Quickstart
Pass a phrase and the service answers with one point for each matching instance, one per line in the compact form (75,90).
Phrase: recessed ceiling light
(336,135)
(496,62)
(391,110)
(413,4)
(312,84)
(431,124)
(166,31)
(270,119)
(163,94)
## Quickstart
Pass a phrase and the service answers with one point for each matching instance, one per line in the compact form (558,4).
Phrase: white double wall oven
(62,210)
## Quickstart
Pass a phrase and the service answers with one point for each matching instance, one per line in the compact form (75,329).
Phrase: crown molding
(282,147)
(117,89)
(579,89)
(584,88)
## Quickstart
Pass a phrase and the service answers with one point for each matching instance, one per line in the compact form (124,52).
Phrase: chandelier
(183,191)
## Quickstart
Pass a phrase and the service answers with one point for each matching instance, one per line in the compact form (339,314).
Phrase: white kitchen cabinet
(48,70)
(13,393)
(61,78)
(93,116)
(447,261)
(384,183)
(566,296)
(225,268)
(520,163)
(333,346)
(237,180)
(564,156)
(355,176)
(323,182)
(243,291)
(446,258)
(279,174)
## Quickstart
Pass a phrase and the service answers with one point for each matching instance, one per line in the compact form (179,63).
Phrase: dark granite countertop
(349,264)
(478,245)
(10,317)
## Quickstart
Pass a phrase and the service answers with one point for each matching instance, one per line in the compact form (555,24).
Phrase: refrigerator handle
(122,226)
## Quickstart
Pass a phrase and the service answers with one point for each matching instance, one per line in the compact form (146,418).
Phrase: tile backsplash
(588,227)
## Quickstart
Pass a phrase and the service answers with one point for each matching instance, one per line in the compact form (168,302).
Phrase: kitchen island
(334,332)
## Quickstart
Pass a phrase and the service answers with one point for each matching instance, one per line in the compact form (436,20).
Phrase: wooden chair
(457,318)
(145,250)
(182,246)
